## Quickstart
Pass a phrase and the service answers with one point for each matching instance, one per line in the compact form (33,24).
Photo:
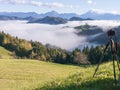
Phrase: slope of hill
(103,38)
(29,74)
(37,75)
(87,30)
(79,19)
(50,20)
(96,34)
(9,18)
(83,80)
(22,48)
(5,54)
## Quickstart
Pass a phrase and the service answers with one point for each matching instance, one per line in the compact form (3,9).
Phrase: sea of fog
(62,35)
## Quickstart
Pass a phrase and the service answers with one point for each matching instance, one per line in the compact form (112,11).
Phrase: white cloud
(53,34)
(14,1)
(54,4)
(26,2)
(89,1)
(35,3)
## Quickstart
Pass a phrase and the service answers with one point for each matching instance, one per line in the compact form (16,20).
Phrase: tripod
(114,48)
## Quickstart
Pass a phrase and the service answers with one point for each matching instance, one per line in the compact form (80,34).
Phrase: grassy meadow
(30,74)
(25,74)
(18,74)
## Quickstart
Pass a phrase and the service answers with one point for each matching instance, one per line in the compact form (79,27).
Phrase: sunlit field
(29,74)
(26,74)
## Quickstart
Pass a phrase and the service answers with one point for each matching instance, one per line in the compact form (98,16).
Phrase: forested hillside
(21,48)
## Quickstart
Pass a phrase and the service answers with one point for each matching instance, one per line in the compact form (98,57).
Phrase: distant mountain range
(54,17)
(47,18)
(36,15)
(20,14)
(90,14)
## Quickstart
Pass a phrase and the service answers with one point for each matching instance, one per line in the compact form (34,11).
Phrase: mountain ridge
(100,15)
(55,18)
(89,14)
(41,15)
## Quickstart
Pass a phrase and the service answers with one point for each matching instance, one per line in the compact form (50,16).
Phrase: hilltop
(5,54)
(50,20)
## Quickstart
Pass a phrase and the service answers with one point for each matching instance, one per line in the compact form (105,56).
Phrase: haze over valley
(63,35)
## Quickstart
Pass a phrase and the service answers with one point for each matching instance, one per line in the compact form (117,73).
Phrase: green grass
(27,74)
(36,75)
(5,53)
(84,81)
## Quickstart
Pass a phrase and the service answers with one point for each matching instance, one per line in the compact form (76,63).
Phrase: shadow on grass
(96,84)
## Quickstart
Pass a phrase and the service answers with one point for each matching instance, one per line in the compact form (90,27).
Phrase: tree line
(22,48)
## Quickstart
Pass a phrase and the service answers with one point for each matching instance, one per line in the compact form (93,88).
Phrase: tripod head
(113,39)
(111,33)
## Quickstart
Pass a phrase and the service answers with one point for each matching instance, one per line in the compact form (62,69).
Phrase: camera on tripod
(111,33)
(113,43)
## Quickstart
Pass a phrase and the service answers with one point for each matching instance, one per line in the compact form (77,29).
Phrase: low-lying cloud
(35,3)
(52,34)
(58,35)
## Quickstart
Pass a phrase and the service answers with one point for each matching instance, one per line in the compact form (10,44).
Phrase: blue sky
(61,6)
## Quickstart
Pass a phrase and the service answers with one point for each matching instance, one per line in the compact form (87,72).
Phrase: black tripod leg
(118,68)
(101,59)
(98,66)
(117,62)
(114,70)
